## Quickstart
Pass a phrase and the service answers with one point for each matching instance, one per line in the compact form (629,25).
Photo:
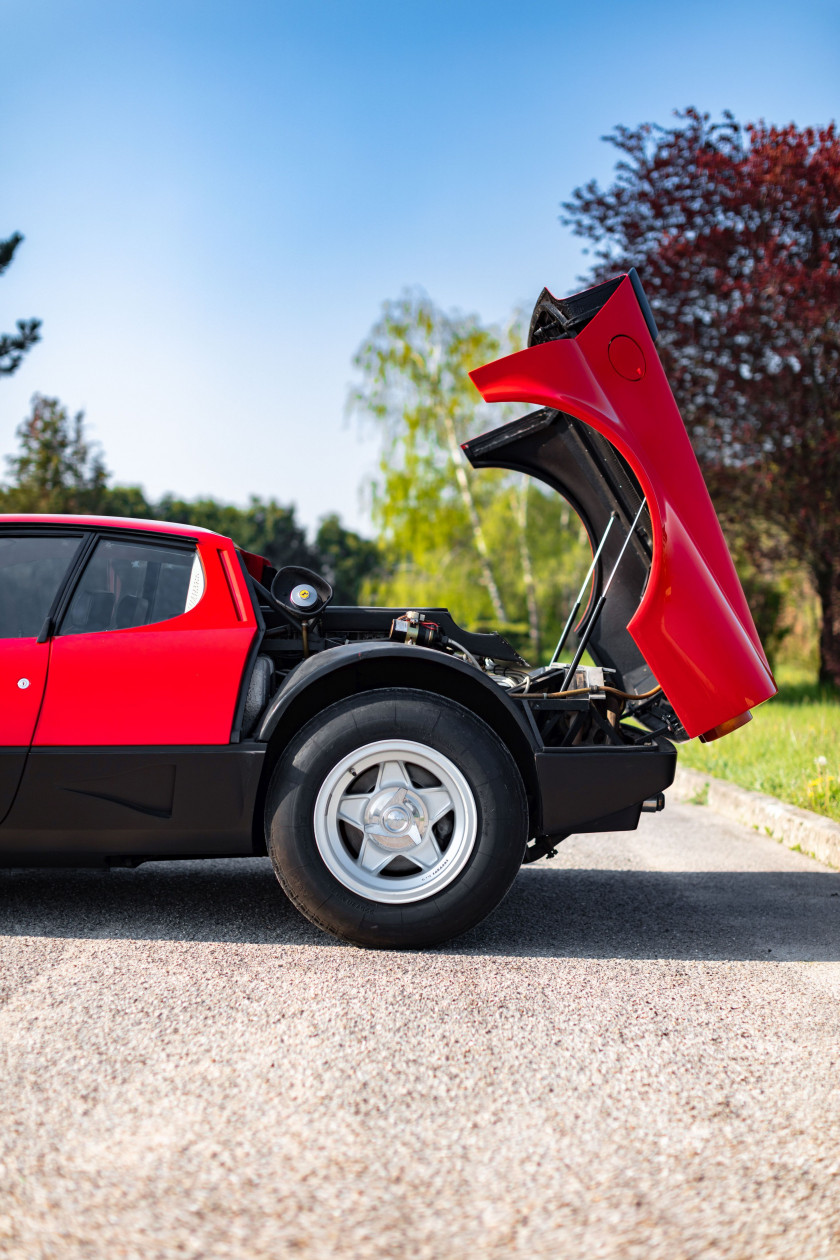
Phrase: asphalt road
(638,1056)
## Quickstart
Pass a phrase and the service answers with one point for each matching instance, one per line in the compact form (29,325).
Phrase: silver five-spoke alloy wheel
(395,821)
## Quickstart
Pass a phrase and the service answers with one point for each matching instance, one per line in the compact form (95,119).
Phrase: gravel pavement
(637,1056)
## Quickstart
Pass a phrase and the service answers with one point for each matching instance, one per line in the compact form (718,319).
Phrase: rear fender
(357,668)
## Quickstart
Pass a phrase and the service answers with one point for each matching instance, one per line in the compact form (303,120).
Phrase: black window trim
(251,658)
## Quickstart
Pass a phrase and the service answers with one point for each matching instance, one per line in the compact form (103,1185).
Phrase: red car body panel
(146,685)
(134,523)
(22,660)
(693,625)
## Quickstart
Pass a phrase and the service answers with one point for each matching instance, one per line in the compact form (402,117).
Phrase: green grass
(791,749)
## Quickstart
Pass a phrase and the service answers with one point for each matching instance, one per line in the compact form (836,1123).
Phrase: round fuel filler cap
(626,358)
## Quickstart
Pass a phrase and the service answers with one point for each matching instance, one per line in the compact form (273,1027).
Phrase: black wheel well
(361,676)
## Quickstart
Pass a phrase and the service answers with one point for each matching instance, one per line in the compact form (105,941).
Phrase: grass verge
(791,749)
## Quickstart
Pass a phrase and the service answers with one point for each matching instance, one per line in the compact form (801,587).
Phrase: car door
(135,749)
(33,567)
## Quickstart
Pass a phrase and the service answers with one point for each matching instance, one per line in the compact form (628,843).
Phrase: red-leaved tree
(735,231)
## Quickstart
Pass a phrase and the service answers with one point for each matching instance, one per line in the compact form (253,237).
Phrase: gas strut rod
(564,636)
(598,609)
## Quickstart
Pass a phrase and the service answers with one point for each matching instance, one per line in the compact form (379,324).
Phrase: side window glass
(129,584)
(31,571)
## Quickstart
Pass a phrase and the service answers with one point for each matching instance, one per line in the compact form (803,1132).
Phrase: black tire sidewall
(445,727)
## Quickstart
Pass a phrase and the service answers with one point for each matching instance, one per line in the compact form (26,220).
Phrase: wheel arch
(359,669)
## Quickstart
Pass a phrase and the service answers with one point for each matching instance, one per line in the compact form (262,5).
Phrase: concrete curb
(795,828)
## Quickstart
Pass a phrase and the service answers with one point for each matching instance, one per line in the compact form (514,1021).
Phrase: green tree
(128,501)
(348,561)
(13,346)
(56,469)
(499,550)
(414,365)
(735,231)
(264,526)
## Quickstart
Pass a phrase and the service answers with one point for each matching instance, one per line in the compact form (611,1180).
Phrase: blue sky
(217,197)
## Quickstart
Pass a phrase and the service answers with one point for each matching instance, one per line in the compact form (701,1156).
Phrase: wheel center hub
(396,819)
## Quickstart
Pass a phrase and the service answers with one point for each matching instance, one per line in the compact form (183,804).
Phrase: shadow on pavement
(716,915)
(737,916)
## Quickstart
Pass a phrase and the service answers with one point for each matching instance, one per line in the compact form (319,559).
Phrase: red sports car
(168,695)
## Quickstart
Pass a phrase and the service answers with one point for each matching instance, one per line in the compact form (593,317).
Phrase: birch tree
(501,552)
(415,384)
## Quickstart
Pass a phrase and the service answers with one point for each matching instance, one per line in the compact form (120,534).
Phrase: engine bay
(566,704)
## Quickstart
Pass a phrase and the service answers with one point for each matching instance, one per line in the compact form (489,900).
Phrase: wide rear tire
(396,819)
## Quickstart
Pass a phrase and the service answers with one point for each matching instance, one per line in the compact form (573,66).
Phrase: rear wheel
(396,819)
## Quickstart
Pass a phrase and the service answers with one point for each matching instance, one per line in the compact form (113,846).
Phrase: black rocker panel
(134,802)
(12,761)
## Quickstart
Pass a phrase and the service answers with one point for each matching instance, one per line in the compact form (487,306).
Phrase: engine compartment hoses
(450,642)
(629,695)
(585,691)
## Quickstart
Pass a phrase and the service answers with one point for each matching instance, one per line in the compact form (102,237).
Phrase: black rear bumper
(600,789)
